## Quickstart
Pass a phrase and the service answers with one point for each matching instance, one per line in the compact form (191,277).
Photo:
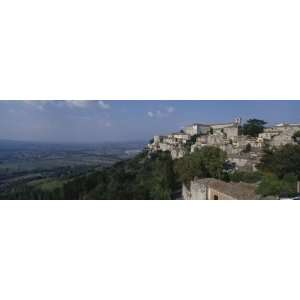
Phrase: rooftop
(287,124)
(200,124)
(237,190)
(212,124)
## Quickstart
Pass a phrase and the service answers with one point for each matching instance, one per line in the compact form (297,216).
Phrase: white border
(158,49)
(138,49)
(149,250)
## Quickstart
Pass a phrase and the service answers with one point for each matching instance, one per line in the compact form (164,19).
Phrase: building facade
(214,189)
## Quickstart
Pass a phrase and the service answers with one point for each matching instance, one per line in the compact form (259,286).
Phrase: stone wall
(222,126)
(214,194)
(279,135)
(231,132)
(197,191)
(177,152)
(215,139)
(196,129)
(227,138)
(186,193)
(157,138)
(214,189)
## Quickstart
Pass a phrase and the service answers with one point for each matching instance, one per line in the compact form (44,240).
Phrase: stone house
(174,143)
(280,134)
(230,130)
(158,138)
(196,128)
(181,137)
(228,138)
(214,189)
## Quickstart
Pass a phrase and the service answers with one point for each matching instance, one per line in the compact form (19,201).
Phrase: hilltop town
(243,151)
(234,160)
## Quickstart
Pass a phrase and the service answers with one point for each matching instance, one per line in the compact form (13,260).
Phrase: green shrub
(272,185)
(249,177)
(296,137)
(253,127)
(207,162)
(281,161)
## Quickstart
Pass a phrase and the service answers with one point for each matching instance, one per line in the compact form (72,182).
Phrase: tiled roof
(236,190)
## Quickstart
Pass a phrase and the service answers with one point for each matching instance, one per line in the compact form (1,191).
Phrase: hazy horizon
(93,122)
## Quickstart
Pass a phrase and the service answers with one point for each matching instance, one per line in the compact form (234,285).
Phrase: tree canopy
(253,127)
(209,161)
(281,161)
(296,137)
(272,185)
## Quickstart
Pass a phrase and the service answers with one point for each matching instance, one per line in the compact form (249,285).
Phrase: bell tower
(238,121)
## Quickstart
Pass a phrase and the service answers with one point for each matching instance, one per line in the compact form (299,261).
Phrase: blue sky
(100,121)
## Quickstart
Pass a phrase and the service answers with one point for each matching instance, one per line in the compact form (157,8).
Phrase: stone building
(181,137)
(196,129)
(174,143)
(280,134)
(158,138)
(214,189)
(243,151)
(230,130)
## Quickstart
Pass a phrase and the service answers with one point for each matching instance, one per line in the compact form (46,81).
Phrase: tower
(238,120)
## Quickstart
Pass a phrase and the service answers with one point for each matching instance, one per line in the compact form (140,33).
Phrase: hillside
(137,178)
(146,176)
(158,176)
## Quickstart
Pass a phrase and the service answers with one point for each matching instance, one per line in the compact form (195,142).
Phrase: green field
(47,184)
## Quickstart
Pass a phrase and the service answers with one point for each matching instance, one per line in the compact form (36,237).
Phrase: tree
(247,148)
(271,185)
(209,161)
(242,176)
(253,127)
(281,161)
(296,137)
(136,178)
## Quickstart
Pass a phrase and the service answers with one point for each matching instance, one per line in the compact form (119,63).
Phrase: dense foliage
(157,176)
(35,192)
(253,127)
(207,162)
(296,137)
(272,185)
(190,142)
(248,177)
(138,178)
(281,168)
(281,161)
(147,176)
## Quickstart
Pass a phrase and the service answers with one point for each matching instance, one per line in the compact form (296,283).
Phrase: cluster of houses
(243,152)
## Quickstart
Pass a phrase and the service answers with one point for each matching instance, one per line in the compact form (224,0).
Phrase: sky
(103,121)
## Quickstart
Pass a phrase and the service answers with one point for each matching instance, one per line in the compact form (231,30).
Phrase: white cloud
(161,113)
(77,103)
(103,105)
(38,104)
